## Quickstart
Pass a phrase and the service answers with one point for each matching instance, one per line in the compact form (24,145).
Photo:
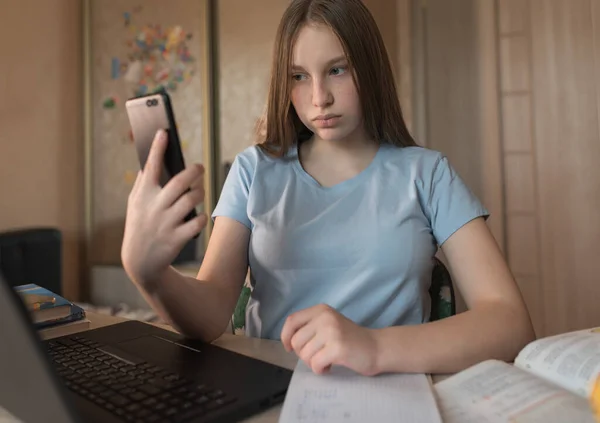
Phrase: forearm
(449,345)
(195,308)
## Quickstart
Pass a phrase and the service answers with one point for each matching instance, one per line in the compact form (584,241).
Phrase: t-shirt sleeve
(451,204)
(233,201)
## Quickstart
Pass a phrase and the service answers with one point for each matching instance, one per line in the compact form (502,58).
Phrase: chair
(441,291)
(32,255)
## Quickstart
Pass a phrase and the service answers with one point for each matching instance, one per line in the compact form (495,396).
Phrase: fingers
(191,228)
(185,204)
(154,163)
(302,337)
(312,347)
(290,327)
(296,320)
(180,183)
(199,181)
(322,361)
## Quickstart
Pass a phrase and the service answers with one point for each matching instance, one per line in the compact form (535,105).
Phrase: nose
(321,94)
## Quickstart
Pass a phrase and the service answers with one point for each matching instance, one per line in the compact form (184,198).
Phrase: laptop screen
(28,388)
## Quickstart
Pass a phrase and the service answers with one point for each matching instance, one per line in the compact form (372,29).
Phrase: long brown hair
(280,127)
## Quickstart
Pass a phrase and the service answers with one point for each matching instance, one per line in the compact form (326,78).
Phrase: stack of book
(51,314)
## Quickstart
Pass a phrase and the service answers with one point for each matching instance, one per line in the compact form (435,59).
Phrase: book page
(571,360)
(344,396)
(497,392)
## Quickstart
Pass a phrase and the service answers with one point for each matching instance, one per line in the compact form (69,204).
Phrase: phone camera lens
(149,103)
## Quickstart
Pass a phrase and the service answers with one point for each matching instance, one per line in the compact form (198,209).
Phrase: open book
(553,379)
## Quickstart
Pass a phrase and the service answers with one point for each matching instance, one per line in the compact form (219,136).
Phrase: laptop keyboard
(137,392)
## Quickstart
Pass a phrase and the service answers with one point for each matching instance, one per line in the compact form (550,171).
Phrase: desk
(261,349)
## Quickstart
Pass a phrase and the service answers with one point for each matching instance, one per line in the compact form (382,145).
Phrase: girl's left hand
(322,337)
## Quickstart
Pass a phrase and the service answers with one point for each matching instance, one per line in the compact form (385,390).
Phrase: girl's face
(323,91)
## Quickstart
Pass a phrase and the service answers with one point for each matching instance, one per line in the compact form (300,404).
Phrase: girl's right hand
(155,231)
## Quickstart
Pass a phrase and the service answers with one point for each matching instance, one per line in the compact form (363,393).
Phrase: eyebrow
(329,63)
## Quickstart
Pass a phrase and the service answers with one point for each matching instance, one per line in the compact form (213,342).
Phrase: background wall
(507,88)
(550,85)
(41,142)
(512,96)
(455,95)
(41,115)
(246,36)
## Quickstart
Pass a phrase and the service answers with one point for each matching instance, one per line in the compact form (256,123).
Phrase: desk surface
(262,349)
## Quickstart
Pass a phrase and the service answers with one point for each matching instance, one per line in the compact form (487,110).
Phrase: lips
(326,117)
(326,121)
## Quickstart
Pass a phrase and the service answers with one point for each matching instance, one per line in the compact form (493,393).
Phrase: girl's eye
(339,70)
(298,77)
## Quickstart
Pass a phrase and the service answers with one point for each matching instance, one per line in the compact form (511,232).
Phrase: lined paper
(343,396)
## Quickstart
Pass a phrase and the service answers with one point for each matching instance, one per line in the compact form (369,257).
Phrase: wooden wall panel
(453,108)
(516,123)
(489,114)
(565,84)
(513,16)
(595,16)
(522,245)
(456,98)
(514,60)
(548,83)
(520,188)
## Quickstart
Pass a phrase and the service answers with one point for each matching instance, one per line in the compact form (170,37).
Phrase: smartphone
(147,114)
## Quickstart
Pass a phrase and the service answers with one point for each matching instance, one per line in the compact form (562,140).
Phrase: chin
(331,134)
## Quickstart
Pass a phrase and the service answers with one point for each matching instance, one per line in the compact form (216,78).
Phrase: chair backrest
(238,319)
(32,255)
(441,291)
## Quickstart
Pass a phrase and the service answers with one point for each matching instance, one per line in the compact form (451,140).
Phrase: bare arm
(496,325)
(155,232)
(202,307)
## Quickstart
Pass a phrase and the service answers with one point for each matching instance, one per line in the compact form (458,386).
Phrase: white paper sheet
(345,396)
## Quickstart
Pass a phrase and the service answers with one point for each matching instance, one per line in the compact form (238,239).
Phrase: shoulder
(254,160)
(254,156)
(251,159)
(416,162)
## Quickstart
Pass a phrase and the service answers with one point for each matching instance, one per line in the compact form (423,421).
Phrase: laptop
(127,372)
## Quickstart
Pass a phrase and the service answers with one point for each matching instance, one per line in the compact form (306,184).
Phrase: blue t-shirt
(363,246)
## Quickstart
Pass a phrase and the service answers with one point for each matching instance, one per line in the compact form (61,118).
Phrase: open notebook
(553,380)
(342,395)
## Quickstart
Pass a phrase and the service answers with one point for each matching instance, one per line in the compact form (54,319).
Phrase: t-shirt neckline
(348,183)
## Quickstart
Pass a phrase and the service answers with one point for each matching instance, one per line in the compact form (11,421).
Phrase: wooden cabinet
(536,155)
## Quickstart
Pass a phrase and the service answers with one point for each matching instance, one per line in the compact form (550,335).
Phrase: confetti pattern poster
(139,47)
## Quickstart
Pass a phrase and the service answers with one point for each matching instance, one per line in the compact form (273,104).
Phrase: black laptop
(129,372)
